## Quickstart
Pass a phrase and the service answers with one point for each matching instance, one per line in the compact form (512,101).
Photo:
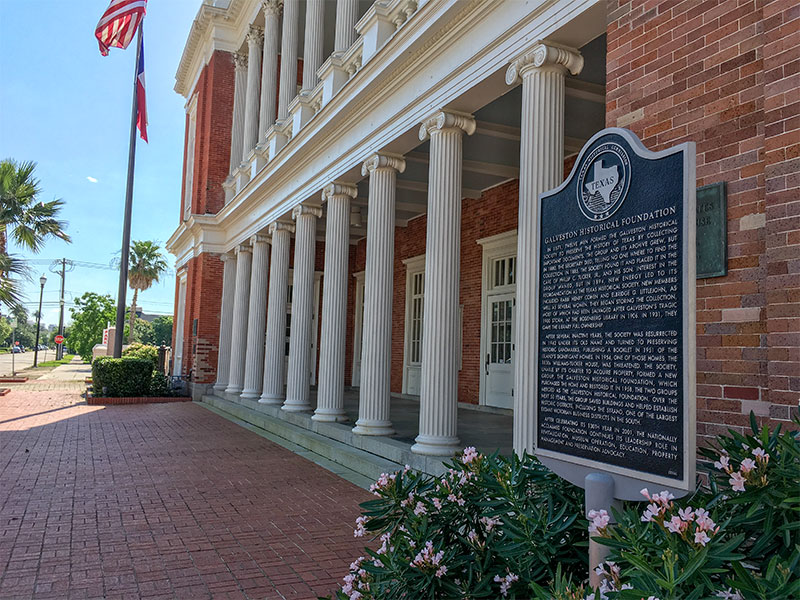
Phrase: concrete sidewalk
(72,371)
(161,501)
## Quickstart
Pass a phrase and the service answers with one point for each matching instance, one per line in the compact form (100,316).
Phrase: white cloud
(92,179)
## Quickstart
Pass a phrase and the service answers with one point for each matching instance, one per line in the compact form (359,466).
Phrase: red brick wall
(494,212)
(214,90)
(782,181)
(203,302)
(698,71)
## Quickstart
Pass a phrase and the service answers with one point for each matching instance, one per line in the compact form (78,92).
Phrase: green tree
(162,331)
(5,332)
(90,315)
(29,221)
(145,266)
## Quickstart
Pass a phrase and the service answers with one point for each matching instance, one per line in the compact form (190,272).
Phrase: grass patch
(54,363)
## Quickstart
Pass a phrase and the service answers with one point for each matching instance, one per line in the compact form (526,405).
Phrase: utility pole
(60,268)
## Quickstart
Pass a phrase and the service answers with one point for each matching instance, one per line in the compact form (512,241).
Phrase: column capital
(272,7)
(383,161)
(543,55)
(243,248)
(303,209)
(338,188)
(259,238)
(447,120)
(225,256)
(255,35)
(280,226)
(240,60)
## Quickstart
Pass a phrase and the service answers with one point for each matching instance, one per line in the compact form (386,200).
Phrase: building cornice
(201,40)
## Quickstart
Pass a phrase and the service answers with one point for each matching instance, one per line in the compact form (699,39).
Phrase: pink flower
(505,582)
(441,571)
(437,503)
(489,523)
(701,537)
(686,514)
(359,531)
(600,520)
(645,493)
(420,509)
(675,525)
(384,481)
(469,455)
(760,454)
(472,536)
(737,482)
(748,464)
(723,464)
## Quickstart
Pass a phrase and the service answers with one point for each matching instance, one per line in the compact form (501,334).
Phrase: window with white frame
(191,125)
(417,302)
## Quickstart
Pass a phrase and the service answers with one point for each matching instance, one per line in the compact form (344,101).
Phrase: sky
(67,108)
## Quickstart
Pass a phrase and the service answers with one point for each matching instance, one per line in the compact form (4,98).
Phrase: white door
(499,360)
(415,314)
(357,329)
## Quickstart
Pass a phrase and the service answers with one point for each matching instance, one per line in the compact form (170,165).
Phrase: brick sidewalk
(161,501)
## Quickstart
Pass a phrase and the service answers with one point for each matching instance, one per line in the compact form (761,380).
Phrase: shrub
(494,527)
(160,386)
(485,529)
(137,350)
(737,538)
(116,377)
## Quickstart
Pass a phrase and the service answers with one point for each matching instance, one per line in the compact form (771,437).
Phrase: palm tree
(145,265)
(26,219)
(23,216)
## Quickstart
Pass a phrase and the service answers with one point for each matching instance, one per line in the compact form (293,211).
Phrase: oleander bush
(120,377)
(494,527)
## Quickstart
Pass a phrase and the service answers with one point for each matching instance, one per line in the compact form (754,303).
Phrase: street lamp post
(42,281)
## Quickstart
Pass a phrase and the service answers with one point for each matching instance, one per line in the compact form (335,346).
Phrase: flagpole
(126,224)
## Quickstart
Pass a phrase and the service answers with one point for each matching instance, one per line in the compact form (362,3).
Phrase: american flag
(118,24)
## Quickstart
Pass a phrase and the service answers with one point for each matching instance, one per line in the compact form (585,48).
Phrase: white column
(346,18)
(257,314)
(275,352)
(269,67)
(438,412)
(288,88)
(541,168)
(255,37)
(241,299)
(376,355)
(239,99)
(299,376)
(330,394)
(312,48)
(225,320)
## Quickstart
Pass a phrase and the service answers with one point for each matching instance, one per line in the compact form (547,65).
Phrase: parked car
(16,350)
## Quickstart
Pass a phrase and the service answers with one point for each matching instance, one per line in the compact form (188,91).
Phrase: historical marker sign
(616,316)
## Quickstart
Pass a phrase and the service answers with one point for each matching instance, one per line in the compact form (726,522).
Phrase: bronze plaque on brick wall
(712,231)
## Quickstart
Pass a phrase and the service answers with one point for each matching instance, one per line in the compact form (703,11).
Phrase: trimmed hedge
(137,350)
(116,377)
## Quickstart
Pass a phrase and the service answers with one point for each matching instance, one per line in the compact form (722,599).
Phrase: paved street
(160,501)
(23,360)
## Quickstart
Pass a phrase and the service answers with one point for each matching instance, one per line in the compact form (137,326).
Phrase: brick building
(349,163)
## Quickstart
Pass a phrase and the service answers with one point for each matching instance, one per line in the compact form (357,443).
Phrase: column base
(271,400)
(250,395)
(220,387)
(430,445)
(296,407)
(372,427)
(233,390)
(329,415)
